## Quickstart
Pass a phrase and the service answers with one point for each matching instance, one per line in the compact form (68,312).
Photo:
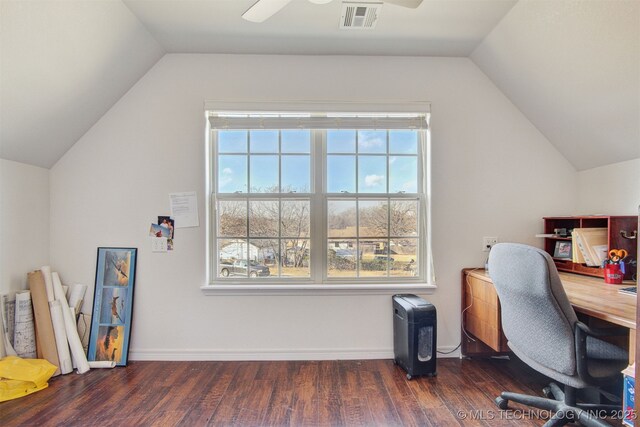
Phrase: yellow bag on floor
(19,377)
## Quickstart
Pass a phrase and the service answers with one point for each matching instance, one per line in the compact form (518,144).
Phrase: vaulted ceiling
(572,66)
(63,65)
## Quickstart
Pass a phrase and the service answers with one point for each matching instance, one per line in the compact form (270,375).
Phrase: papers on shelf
(576,255)
(601,252)
(592,245)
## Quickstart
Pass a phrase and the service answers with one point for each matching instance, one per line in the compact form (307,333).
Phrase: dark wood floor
(324,393)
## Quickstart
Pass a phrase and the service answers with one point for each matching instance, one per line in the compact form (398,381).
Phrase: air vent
(359,15)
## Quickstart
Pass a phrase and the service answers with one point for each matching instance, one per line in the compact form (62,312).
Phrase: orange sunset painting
(110,343)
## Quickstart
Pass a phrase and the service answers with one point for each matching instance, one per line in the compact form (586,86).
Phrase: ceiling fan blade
(264,9)
(405,3)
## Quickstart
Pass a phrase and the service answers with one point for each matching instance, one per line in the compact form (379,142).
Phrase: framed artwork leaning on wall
(112,305)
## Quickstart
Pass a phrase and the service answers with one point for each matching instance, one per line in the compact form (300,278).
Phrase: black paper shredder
(414,335)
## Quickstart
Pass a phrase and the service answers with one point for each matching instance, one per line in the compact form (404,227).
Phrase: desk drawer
(482,318)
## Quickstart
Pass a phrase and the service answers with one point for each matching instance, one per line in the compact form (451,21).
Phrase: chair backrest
(537,317)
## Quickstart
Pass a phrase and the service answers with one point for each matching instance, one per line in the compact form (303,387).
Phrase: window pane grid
(265,237)
(254,161)
(384,231)
(374,164)
(368,256)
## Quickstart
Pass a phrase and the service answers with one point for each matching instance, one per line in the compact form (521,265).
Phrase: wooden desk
(588,295)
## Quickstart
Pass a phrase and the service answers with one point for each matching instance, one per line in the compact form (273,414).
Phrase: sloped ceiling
(435,28)
(63,65)
(573,68)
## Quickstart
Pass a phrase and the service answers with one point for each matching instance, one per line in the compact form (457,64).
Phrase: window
(373,206)
(263,203)
(318,198)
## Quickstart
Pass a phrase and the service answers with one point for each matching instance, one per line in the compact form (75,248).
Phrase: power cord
(462,315)
(84,330)
(451,351)
(469,306)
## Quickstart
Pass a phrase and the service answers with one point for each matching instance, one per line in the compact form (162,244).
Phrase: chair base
(563,405)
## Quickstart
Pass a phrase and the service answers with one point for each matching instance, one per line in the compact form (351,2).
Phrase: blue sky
(263,141)
(264,172)
(232,141)
(296,141)
(295,173)
(372,174)
(232,173)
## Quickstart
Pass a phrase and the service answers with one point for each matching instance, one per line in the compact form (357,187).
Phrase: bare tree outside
(232,218)
(374,218)
(278,232)
(263,218)
(404,218)
(295,221)
(385,239)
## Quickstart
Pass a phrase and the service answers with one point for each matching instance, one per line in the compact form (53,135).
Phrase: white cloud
(226,177)
(371,142)
(373,180)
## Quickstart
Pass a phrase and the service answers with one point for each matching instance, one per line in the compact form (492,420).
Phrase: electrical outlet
(488,242)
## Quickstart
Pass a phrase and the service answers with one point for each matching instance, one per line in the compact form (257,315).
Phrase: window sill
(310,290)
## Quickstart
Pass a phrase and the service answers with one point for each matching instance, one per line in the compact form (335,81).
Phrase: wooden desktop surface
(592,296)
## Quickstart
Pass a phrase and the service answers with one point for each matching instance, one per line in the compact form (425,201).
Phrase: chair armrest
(580,333)
(599,333)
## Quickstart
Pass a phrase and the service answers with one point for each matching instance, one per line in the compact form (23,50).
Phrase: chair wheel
(547,393)
(409,376)
(502,403)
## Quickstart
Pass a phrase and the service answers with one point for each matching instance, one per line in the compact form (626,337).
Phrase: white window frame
(318,282)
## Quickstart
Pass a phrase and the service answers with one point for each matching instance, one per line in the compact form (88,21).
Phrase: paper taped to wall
(159,244)
(184,209)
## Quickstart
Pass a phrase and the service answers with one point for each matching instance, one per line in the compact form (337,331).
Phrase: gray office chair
(543,331)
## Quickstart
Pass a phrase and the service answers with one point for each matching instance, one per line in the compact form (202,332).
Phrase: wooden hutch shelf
(614,225)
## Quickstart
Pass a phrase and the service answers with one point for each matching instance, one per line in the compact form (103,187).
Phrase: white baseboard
(269,354)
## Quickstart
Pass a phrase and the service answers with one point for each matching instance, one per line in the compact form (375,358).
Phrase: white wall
(24,222)
(493,174)
(612,189)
